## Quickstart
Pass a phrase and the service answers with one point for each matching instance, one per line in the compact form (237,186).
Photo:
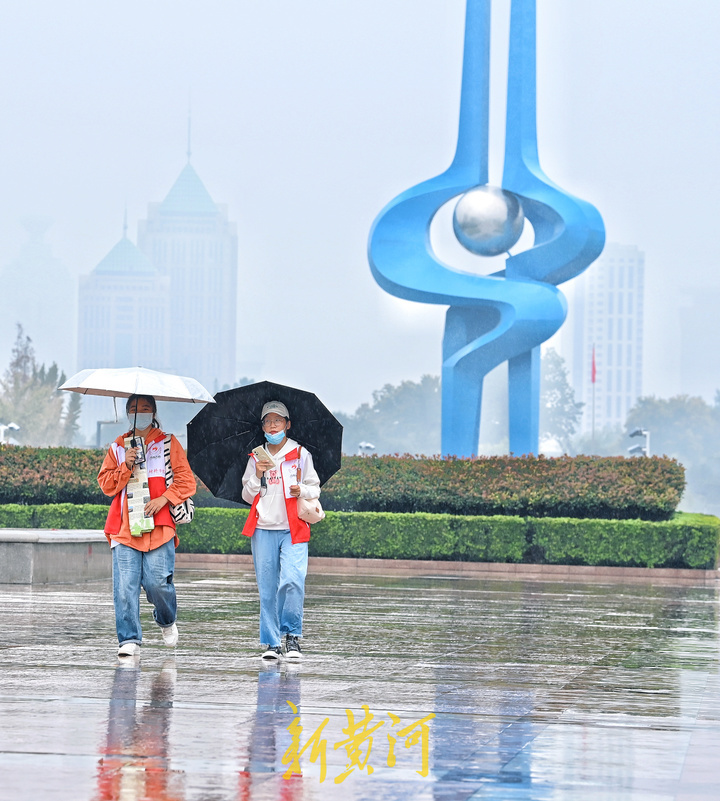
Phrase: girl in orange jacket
(146,561)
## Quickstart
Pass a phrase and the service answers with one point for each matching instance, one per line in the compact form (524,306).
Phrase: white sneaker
(128,649)
(170,635)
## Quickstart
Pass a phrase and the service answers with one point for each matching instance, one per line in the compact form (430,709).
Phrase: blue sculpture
(504,316)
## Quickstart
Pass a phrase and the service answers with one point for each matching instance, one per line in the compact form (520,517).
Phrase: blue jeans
(280,570)
(152,570)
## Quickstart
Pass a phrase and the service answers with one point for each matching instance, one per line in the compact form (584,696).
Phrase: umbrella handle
(263,485)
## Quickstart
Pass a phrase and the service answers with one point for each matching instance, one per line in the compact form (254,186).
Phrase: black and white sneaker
(292,647)
(273,652)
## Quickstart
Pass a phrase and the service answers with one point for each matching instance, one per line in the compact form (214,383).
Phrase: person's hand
(130,457)
(153,506)
(262,466)
(295,490)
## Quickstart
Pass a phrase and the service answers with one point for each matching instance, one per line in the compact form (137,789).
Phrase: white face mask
(143,420)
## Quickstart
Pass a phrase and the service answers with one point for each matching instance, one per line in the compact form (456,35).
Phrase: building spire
(125,223)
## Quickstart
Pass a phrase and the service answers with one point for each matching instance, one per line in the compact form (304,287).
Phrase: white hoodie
(271,510)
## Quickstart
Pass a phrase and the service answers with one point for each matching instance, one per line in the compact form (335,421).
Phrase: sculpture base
(36,556)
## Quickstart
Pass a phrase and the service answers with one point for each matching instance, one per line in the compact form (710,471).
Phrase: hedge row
(625,543)
(50,475)
(53,515)
(689,541)
(579,487)
(375,535)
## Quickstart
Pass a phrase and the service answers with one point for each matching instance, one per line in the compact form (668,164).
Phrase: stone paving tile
(540,691)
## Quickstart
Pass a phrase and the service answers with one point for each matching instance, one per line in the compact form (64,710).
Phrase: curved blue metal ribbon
(507,315)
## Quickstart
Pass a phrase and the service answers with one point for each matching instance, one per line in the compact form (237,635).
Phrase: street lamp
(639,450)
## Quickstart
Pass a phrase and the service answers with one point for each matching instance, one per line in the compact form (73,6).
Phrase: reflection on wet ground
(538,691)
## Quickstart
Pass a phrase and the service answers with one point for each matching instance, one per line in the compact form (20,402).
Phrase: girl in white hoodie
(279,538)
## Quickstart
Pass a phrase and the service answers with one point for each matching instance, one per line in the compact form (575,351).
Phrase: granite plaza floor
(538,691)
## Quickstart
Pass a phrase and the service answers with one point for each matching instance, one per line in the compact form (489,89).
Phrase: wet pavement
(538,691)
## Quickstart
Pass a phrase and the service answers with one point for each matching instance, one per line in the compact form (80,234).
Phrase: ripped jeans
(151,570)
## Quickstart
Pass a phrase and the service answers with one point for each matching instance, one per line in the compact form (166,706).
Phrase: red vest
(155,461)
(299,529)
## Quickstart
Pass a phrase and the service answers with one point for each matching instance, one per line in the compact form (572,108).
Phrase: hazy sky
(309,116)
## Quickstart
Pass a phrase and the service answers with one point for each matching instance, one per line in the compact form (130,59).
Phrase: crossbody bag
(183,512)
(308,509)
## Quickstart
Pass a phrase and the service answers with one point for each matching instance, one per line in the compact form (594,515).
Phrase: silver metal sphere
(488,220)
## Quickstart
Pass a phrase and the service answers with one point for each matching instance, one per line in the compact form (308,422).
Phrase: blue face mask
(275,439)
(144,420)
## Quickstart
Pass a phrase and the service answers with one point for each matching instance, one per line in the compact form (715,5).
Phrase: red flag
(593,373)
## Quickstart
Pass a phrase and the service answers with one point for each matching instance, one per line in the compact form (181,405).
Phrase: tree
(401,419)
(610,440)
(71,419)
(29,396)
(559,413)
(241,382)
(406,418)
(688,429)
(679,425)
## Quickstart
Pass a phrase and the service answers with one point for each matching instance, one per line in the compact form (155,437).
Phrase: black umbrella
(222,435)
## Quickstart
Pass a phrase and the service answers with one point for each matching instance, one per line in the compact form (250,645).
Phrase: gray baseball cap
(274,406)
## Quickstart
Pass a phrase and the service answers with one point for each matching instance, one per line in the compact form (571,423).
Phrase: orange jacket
(113,478)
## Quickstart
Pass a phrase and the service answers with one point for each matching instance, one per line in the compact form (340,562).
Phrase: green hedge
(50,475)
(629,543)
(53,515)
(13,515)
(215,531)
(689,541)
(374,536)
(579,487)
(383,535)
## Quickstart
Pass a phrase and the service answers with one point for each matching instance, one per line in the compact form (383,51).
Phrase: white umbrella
(122,382)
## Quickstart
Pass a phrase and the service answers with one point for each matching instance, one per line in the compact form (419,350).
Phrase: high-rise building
(606,315)
(191,242)
(167,304)
(124,310)
(124,306)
